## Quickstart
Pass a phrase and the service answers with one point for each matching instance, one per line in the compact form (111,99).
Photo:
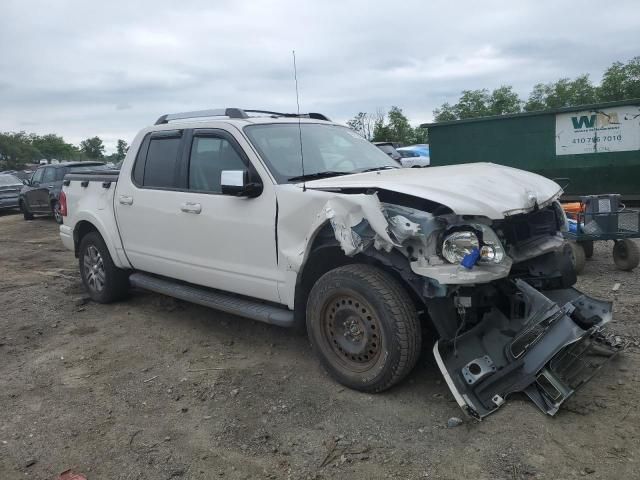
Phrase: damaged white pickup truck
(290,219)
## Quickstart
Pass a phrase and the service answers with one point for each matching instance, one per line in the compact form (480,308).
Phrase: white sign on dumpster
(615,129)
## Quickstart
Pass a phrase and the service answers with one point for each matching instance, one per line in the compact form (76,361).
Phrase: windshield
(327,148)
(7,179)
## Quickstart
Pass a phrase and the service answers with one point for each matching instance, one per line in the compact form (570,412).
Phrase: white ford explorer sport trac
(295,220)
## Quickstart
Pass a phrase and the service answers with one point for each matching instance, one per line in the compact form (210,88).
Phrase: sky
(110,68)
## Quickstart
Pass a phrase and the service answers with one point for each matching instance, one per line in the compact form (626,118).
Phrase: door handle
(191,207)
(125,200)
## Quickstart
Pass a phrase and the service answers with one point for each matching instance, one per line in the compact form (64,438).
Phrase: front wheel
(104,282)
(626,254)
(364,327)
(25,211)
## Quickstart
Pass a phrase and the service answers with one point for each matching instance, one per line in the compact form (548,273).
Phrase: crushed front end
(529,331)
(543,344)
(498,292)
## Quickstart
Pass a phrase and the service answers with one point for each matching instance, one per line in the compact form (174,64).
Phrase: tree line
(20,148)
(621,81)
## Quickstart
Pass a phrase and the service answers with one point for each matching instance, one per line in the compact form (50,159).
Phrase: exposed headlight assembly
(457,245)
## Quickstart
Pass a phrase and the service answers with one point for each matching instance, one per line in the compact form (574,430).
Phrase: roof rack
(234,113)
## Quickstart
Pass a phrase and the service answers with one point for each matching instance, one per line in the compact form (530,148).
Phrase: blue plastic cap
(470,259)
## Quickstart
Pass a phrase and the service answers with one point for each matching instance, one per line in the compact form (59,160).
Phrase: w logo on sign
(584,122)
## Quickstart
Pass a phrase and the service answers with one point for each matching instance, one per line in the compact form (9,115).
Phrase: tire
(104,282)
(25,211)
(626,254)
(588,248)
(578,257)
(364,327)
(55,209)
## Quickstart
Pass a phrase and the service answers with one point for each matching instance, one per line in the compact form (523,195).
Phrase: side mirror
(26,182)
(237,183)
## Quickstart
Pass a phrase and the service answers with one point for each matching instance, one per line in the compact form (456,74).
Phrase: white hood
(482,189)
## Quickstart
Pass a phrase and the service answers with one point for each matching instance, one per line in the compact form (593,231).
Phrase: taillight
(63,204)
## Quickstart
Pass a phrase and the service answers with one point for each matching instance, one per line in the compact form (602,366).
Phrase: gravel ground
(153,388)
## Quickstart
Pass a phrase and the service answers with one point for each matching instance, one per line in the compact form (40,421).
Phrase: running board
(254,309)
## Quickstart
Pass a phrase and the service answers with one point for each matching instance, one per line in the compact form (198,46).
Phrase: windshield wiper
(316,175)
(375,169)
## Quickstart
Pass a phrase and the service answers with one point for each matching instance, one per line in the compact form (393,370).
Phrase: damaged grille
(520,228)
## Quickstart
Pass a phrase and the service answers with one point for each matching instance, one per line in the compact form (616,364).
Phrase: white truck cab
(293,219)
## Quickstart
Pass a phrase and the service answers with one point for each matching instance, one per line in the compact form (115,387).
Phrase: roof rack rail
(233,113)
(218,112)
(314,115)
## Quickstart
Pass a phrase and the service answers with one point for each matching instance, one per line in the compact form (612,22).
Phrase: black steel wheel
(103,281)
(364,327)
(626,254)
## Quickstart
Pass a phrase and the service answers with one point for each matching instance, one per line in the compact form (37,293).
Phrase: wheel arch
(325,254)
(86,225)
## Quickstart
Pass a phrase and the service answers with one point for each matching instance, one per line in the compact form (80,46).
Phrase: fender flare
(112,241)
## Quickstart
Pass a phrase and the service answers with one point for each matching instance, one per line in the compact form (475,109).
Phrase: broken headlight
(458,245)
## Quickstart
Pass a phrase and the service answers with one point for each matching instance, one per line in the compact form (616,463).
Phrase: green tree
(53,146)
(504,101)
(394,126)
(621,81)
(445,113)
(362,123)
(473,103)
(563,93)
(421,135)
(93,148)
(16,150)
(399,128)
(480,103)
(121,150)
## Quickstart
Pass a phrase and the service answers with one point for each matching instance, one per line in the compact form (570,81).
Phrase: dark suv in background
(40,193)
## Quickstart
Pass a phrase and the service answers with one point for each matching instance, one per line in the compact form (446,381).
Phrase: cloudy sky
(108,68)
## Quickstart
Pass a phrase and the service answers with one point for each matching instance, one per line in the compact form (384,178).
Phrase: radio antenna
(295,76)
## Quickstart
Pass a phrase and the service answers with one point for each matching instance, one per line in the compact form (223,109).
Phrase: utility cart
(602,218)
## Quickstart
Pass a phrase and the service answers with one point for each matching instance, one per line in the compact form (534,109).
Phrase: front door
(176,222)
(37,194)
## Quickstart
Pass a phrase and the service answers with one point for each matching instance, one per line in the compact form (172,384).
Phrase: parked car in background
(422,149)
(412,158)
(389,149)
(10,187)
(40,193)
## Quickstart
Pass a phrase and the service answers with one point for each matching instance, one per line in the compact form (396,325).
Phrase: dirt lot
(152,388)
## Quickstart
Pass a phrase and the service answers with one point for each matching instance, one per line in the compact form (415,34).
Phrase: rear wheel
(578,256)
(588,248)
(626,254)
(25,211)
(104,281)
(57,215)
(364,327)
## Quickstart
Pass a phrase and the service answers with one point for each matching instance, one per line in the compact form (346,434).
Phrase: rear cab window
(158,161)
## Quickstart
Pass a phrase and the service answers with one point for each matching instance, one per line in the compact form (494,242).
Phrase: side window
(60,173)
(37,177)
(49,175)
(209,157)
(162,159)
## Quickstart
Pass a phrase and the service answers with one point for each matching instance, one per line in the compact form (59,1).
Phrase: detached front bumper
(547,346)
